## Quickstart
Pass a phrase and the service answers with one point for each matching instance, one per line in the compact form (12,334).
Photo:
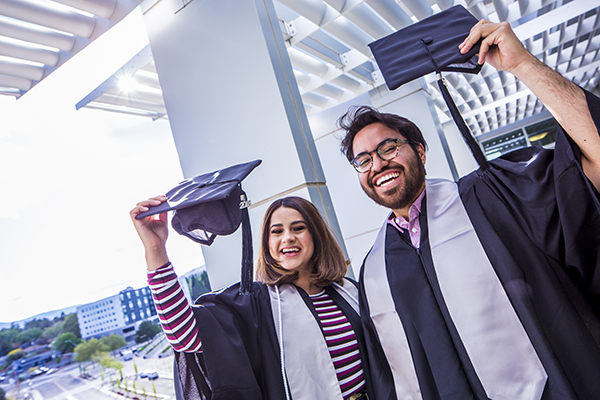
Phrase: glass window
(539,134)
(543,133)
(504,143)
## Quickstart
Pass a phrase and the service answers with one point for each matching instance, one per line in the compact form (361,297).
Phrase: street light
(69,341)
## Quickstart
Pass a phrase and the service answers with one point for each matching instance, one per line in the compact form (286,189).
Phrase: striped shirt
(174,311)
(342,344)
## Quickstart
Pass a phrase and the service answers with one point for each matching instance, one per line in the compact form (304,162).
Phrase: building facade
(119,314)
(136,305)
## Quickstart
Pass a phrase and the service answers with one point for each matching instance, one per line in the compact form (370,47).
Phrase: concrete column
(231,97)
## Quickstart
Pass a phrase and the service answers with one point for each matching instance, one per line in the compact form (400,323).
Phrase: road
(66,383)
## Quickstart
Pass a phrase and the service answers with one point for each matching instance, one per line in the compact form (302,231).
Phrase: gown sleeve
(545,194)
(240,354)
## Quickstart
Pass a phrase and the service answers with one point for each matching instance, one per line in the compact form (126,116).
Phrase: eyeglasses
(387,150)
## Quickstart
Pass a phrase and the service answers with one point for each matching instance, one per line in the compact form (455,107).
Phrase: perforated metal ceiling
(327,43)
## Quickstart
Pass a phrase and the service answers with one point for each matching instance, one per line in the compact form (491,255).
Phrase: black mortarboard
(431,45)
(210,205)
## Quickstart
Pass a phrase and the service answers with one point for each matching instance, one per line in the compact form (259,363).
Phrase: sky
(68,180)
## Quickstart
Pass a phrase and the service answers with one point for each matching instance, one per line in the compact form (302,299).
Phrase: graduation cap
(431,45)
(210,205)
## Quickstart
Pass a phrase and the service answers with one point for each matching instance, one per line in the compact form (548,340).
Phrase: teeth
(290,250)
(386,177)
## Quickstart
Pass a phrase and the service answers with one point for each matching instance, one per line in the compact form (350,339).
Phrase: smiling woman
(298,248)
(291,244)
(281,339)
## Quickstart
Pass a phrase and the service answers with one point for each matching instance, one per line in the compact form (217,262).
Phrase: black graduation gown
(240,358)
(538,219)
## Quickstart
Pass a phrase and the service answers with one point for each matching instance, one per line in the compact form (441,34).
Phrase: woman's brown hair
(328,263)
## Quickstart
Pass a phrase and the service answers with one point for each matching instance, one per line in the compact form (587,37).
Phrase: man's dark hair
(359,117)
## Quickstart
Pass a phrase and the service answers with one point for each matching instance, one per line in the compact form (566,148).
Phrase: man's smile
(386,179)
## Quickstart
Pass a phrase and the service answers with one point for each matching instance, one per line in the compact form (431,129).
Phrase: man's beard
(401,196)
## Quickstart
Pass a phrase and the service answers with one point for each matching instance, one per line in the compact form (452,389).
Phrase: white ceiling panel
(327,43)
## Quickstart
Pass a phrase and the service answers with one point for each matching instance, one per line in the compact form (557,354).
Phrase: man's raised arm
(566,101)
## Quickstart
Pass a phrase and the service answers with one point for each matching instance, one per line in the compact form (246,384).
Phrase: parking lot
(68,382)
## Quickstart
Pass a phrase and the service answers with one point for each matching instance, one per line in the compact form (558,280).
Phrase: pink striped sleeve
(174,311)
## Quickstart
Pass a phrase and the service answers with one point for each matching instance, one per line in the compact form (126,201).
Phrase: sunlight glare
(127,84)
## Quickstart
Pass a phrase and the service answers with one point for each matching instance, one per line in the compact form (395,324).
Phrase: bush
(15,354)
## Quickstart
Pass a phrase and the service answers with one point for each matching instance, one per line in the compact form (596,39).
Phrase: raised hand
(567,103)
(500,47)
(153,231)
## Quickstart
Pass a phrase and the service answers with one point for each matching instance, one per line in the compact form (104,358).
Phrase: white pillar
(231,97)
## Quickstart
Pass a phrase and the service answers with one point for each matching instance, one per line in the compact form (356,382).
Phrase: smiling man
(488,287)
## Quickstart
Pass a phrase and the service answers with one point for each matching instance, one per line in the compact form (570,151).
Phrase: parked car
(152,375)
(127,355)
(143,374)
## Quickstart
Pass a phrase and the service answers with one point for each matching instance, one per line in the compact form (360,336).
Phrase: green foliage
(198,284)
(2,394)
(5,347)
(146,331)
(65,342)
(29,335)
(86,350)
(38,323)
(15,354)
(120,369)
(54,330)
(41,331)
(113,342)
(8,339)
(71,324)
(108,361)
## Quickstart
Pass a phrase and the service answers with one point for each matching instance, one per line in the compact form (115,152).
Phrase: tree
(2,394)
(8,339)
(108,361)
(71,324)
(86,350)
(38,323)
(5,347)
(54,330)
(146,331)
(29,335)
(113,342)
(65,342)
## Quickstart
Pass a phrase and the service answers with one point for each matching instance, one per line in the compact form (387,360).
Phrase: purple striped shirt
(174,311)
(342,344)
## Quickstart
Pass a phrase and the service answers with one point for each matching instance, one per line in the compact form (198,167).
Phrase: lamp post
(70,341)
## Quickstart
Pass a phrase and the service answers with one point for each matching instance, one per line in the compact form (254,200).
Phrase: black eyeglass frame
(399,143)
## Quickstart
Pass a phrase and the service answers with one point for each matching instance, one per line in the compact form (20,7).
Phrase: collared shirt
(412,225)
